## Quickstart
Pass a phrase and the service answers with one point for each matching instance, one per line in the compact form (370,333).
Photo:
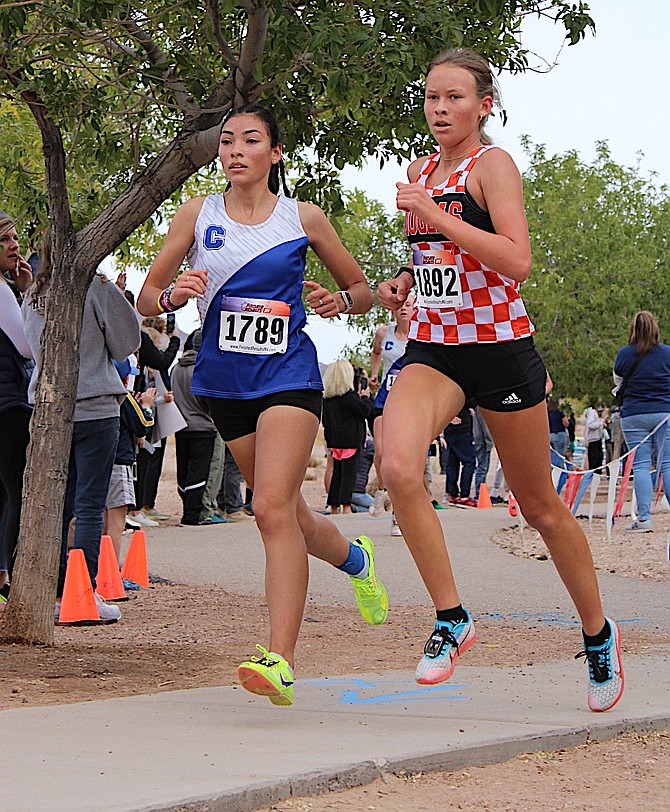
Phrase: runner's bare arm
(344,269)
(168,262)
(376,356)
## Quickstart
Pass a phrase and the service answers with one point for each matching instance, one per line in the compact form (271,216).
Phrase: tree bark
(28,617)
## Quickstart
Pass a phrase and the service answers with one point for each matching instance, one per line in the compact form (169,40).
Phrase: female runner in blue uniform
(470,337)
(246,249)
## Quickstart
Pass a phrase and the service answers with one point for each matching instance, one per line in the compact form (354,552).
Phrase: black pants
(460,452)
(595,454)
(194,456)
(14,436)
(149,468)
(343,480)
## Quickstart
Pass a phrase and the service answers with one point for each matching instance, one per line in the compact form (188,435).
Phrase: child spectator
(195,443)
(136,424)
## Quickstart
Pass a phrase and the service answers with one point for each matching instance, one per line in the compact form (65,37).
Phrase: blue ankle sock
(357,564)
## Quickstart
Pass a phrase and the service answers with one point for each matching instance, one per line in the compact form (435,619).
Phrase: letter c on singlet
(215,237)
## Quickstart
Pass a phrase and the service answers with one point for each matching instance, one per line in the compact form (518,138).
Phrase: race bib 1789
(256,326)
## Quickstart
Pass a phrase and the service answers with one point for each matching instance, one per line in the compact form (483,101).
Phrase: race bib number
(390,380)
(255,326)
(437,279)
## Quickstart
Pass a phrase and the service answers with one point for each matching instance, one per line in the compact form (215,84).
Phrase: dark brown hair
(644,332)
(278,170)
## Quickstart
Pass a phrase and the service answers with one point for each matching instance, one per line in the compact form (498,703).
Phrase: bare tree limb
(156,57)
(54,158)
(215,21)
(245,85)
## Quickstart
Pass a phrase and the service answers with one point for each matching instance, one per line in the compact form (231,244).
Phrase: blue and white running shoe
(447,641)
(605,671)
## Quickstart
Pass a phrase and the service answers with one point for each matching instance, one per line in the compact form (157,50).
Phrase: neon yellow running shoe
(371,595)
(268,675)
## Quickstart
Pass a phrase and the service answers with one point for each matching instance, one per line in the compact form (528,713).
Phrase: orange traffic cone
(484,500)
(78,604)
(511,504)
(135,567)
(108,580)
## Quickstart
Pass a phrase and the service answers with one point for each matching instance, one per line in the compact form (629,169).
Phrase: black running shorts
(235,418)
(505,377)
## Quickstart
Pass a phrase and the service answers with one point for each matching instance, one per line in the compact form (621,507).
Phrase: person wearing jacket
(644,365)
(195,443)
(136,423)
(14,409)
(109,332)
(344,414)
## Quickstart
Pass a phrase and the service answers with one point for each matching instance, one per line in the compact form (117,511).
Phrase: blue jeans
(635,428)
(360,502)
(559,444)
(460,460)
(92,455)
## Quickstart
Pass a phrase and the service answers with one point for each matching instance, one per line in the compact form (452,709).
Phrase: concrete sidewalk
(224,749)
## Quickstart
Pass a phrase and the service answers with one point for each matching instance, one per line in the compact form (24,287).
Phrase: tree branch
(60,213)
(191,150)
(156,57)
(245,85)
(215,21)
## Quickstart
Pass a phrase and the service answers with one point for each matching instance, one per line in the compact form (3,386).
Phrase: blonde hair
(644,332)
(155,322)
(338,379)
(153,334)
(485,83)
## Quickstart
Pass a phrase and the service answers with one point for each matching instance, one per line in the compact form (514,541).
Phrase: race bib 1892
(256,326)
(437,279)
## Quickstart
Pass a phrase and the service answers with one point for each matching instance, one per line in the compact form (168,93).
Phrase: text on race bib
(437,279)
(253,326)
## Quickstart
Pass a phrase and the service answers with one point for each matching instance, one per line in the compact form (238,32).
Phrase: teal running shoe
(605,671)
(446,643)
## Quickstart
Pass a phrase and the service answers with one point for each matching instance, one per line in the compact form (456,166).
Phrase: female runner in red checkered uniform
(470,337)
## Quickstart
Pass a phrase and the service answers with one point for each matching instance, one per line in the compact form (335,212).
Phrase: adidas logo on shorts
(511,400)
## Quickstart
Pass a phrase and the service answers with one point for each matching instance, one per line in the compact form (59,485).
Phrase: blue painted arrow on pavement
(353,697)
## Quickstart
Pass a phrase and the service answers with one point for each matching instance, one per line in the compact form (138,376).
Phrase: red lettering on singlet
(414,226)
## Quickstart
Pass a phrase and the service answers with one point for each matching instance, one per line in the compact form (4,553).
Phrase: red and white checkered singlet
(492,310)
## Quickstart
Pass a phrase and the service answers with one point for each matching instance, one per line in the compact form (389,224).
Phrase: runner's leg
(522,441)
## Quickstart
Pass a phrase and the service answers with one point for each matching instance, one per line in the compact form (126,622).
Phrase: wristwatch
(347,299)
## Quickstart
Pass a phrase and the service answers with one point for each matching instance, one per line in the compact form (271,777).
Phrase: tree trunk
(28,617)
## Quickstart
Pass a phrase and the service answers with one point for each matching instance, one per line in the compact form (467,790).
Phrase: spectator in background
(15,412)
(483,448)
(153,361)
(230,500)
(136,422)
(460,459)
(593,436)
(558,432)
(195,443)
(360,498)
(642,370)
(345,412)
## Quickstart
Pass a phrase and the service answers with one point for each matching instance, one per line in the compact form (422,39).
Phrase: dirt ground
(175,636)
